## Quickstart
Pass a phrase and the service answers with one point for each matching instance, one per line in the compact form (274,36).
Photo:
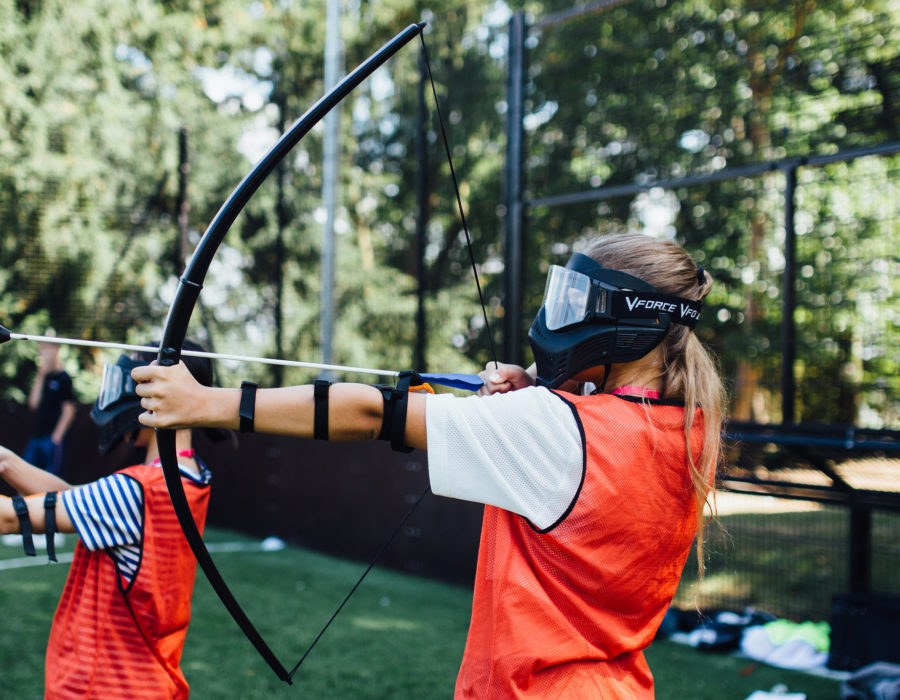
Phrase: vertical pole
(281,215)
(184,225)
(514,223)
(421,217)
(860,549)
(788,348)
(329,176)
(184,204)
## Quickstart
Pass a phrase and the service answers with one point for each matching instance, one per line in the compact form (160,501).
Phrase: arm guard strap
(50,524)
(396,403)
(247,408)
(320,408)
(21,509)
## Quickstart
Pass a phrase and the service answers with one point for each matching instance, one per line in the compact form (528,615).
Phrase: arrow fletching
(468,382)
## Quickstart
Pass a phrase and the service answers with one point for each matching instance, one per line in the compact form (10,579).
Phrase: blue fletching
(468,382)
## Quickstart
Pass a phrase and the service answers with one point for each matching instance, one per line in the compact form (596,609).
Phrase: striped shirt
(109,514)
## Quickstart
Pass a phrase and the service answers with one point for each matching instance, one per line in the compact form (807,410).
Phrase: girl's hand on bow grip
(171,397)
(500,378)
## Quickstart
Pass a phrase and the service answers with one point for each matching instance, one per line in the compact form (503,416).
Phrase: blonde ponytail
(686,369)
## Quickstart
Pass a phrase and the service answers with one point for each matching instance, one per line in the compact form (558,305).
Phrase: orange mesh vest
(112,640)
(566,613)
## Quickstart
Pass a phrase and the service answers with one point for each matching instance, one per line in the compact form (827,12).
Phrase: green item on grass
(818,634)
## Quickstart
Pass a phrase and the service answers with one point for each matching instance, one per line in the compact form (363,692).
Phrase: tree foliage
(617,94)
(653,92)
(93,96)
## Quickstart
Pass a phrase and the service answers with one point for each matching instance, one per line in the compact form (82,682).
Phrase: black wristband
(50,524)
(21,509)
(248,405)
(320,406)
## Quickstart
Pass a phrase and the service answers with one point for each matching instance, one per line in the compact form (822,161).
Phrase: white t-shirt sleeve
(522,451)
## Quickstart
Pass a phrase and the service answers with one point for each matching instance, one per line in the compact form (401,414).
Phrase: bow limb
(186,296)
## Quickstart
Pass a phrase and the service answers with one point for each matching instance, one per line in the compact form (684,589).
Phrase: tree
(94,95)
(653,91)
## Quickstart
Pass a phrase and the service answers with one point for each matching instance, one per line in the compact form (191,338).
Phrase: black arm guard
(396,403)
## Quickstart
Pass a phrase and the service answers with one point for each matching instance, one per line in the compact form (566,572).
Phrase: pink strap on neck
(181,453)
(639,390)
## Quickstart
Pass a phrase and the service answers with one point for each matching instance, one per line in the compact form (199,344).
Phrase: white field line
(66,557)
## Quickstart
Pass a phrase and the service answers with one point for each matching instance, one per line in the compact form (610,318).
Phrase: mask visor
(566,297)
(115,384)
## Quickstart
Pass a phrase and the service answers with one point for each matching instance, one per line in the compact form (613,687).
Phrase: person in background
(52,399)
(120,626)
(592,500)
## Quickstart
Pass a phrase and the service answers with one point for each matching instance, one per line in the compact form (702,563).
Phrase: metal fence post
(788,349)
(421,217)
(514,222)
(860,549)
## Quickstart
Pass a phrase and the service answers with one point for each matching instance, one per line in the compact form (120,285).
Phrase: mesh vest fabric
(567,613)
(109,641)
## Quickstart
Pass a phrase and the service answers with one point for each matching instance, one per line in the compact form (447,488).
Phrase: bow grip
(177,323)
(169,356)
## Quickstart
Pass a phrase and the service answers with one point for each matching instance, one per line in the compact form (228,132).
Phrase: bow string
(189,287)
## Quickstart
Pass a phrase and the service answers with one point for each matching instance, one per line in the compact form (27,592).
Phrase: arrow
(469,382)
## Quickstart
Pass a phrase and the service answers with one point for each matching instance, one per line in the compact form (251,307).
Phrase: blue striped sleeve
(108,512)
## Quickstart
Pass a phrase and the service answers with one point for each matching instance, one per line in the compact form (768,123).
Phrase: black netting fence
(762,138)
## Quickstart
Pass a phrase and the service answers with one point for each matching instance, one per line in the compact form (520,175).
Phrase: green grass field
(398,637)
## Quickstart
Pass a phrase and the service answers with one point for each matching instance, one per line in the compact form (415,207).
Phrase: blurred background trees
(94,99)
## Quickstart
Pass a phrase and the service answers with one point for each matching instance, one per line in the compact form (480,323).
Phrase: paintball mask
(116,411)
(594,316)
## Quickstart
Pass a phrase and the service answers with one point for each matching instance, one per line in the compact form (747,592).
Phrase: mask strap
(626,304)
(600,389)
